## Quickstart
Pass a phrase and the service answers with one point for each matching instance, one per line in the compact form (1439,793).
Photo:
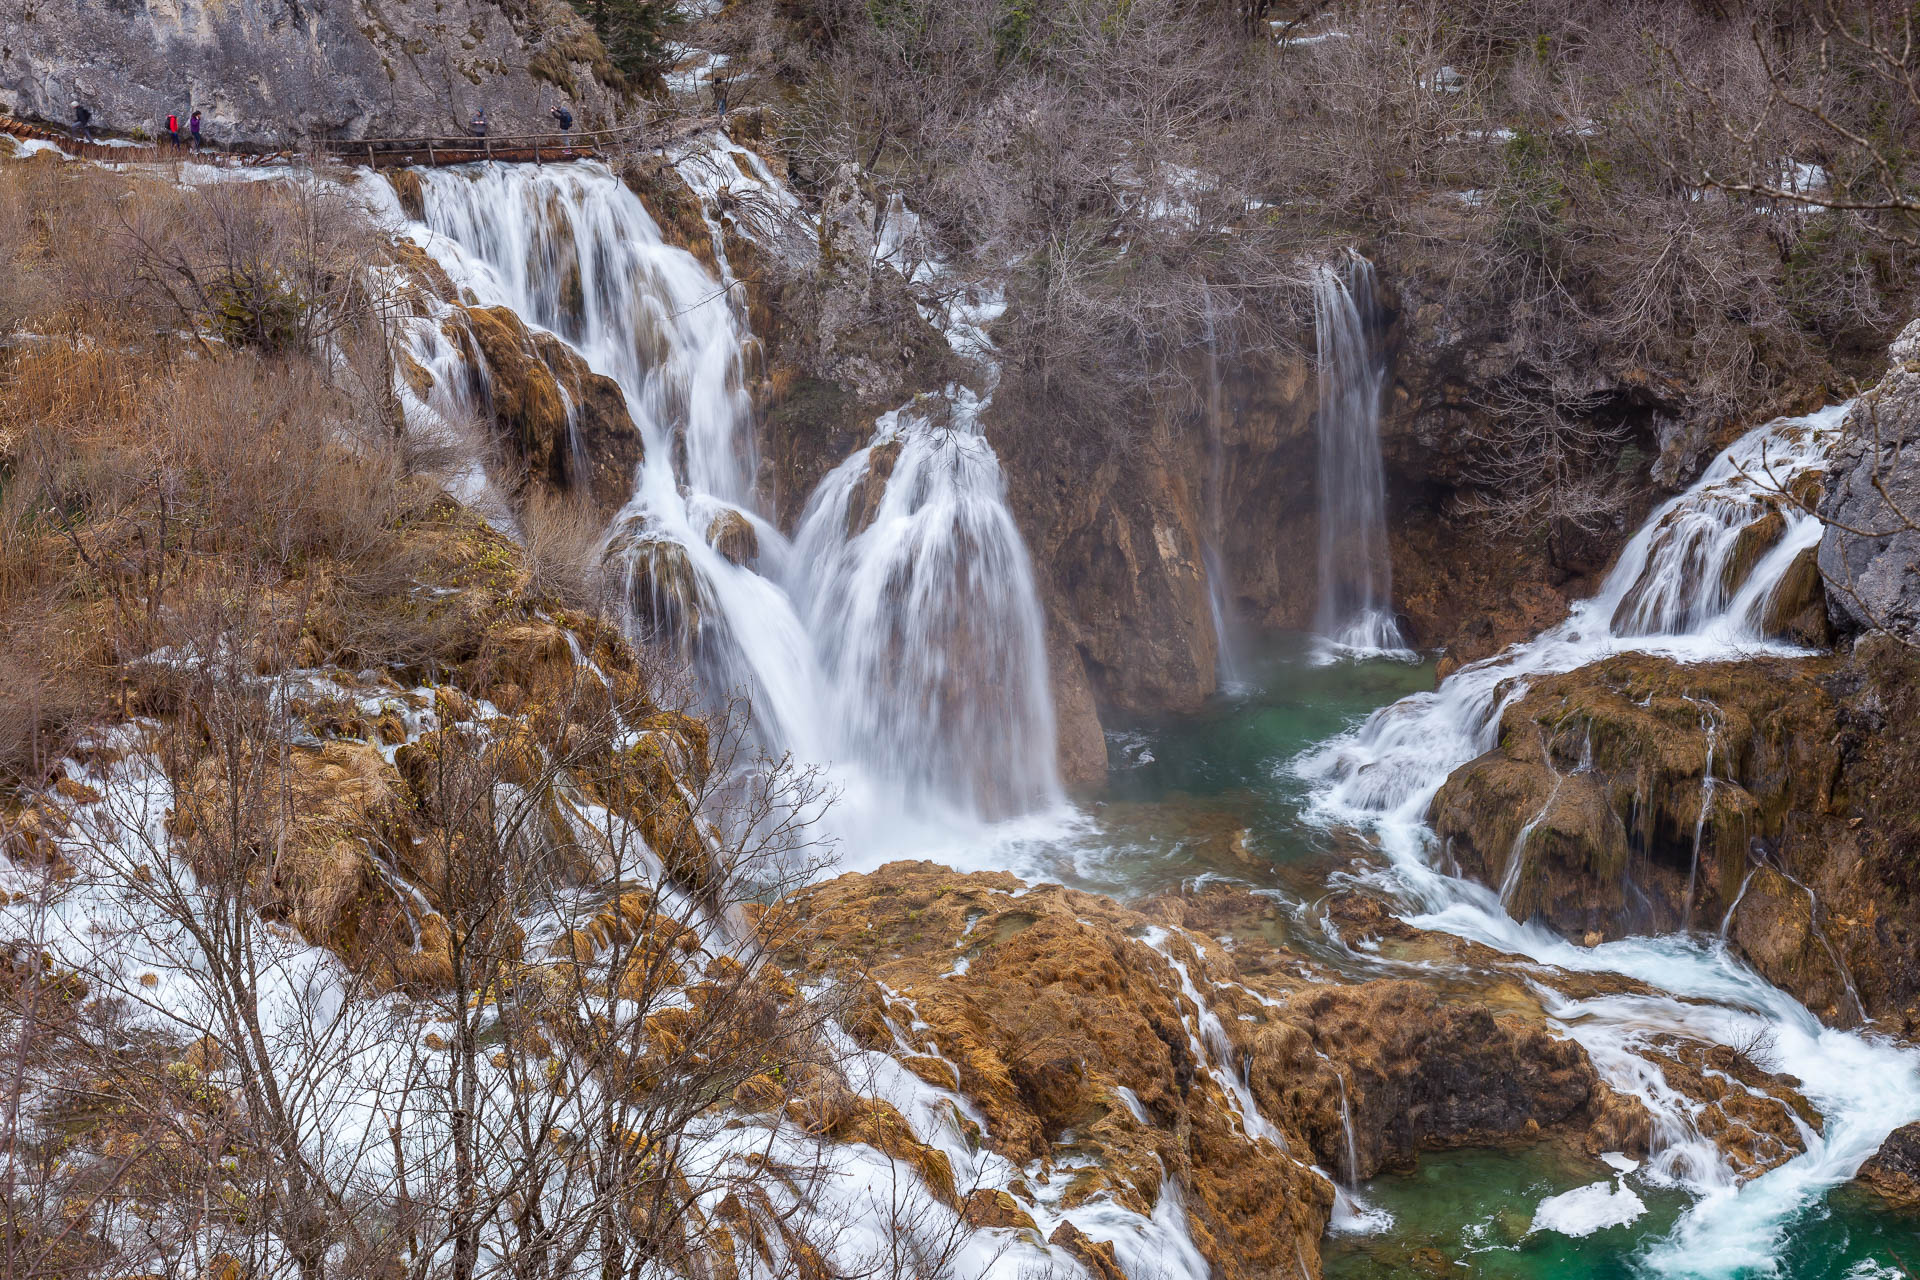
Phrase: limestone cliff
(276,71)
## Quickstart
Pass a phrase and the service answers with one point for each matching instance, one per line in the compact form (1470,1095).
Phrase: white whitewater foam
(1588,1209)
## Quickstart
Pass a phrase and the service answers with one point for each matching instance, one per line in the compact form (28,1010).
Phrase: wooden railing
(443,149)
(386,153)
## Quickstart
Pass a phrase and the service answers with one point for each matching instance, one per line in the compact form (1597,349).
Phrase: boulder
(1623,797)
(1798,609)
(663,589)
(733,536)
(567,425)
(1894,1170)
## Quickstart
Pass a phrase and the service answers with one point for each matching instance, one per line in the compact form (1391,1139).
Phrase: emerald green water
(1211,796)
(1467,1213)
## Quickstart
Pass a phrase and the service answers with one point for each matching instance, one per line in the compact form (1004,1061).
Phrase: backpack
(82,116)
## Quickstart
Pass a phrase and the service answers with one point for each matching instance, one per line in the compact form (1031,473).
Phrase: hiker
(720,99)
(563,118)
(82,121)
(173,130)
(193,129)
(478,125)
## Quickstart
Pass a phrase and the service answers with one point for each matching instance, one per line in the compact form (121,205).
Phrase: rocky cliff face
(1871,551)
(272,71)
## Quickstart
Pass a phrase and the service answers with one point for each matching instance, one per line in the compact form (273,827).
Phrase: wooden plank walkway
(529,148)
(391,153)
(135,152)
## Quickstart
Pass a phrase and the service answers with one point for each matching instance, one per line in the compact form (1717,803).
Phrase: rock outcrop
(1595,814)
(1625,797)
(277,71)
(1870,555)
(1116,1050)
(567,426)
(1894,1170)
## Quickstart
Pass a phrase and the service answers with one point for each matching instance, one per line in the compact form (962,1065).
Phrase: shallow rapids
(1666,595)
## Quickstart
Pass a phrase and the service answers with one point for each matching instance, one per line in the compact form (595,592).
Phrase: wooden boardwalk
(141,152)
(528,148)
(391,153)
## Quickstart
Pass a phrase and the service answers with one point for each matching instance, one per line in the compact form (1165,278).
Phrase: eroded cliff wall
(269,71)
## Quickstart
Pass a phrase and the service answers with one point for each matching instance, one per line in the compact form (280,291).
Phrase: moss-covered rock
(1631,792)
(733,536)
(568,426)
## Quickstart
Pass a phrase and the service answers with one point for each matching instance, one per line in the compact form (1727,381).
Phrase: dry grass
(560,536)
(164,439)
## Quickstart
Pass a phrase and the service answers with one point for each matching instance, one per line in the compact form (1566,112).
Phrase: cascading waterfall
(1356,571)
(1670,593)
(927,619)
(899,639)
(906,655)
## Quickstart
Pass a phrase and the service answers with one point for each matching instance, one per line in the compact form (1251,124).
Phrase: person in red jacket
(173,130)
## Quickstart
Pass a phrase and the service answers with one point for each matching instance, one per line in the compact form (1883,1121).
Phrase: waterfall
(1710,725)
(905,655)
(1356,570)
(1219,584)
(927,619)
(1674,591)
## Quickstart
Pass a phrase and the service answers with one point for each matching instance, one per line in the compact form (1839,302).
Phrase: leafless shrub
(279,267)
(560,537)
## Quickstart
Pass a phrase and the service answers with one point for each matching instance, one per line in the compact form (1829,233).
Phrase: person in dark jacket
(193,129)
(82,121)
(478,125)
(173,129)
(563,118)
